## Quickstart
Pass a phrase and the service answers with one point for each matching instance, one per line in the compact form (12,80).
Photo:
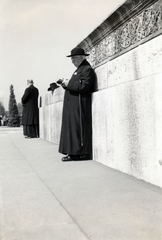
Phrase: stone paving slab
(42,198)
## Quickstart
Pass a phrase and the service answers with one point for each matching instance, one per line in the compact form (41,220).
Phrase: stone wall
(126,53)
(50,114)
(127,117)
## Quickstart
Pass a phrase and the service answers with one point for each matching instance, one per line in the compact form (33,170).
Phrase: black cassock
(76,130)
(30,116)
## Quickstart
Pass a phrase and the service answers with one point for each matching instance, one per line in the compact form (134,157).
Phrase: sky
(37,35)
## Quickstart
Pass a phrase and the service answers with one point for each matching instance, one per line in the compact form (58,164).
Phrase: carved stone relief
(147,23)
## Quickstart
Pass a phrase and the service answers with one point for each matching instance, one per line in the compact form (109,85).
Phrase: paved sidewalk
(42,198)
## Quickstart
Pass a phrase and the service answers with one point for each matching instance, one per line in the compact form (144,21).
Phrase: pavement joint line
(58,200)
(51,191)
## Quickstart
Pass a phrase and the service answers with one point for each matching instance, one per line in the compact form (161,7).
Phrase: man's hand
(65,83)
(60,81)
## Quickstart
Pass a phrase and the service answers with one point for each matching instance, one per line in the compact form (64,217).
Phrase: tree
(2,109)
(14,118)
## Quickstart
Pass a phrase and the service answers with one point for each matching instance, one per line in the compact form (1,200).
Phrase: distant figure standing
(4,120)
(0,120)
(30,115)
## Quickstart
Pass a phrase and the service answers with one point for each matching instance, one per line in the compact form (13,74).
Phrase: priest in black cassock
(76,130)
(30,115)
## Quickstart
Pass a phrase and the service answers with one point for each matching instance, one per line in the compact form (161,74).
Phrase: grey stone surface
(128,127)
(50,121)
(42,198)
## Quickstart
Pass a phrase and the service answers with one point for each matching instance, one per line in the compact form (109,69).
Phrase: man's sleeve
(25,96)
(84,83)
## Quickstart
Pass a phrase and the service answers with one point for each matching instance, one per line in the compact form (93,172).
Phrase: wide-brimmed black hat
(52,87)
(77,51)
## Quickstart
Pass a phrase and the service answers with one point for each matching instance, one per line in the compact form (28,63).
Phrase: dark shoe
(70,158)
(85,157)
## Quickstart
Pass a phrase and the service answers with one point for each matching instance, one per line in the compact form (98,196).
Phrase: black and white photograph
(80,120)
